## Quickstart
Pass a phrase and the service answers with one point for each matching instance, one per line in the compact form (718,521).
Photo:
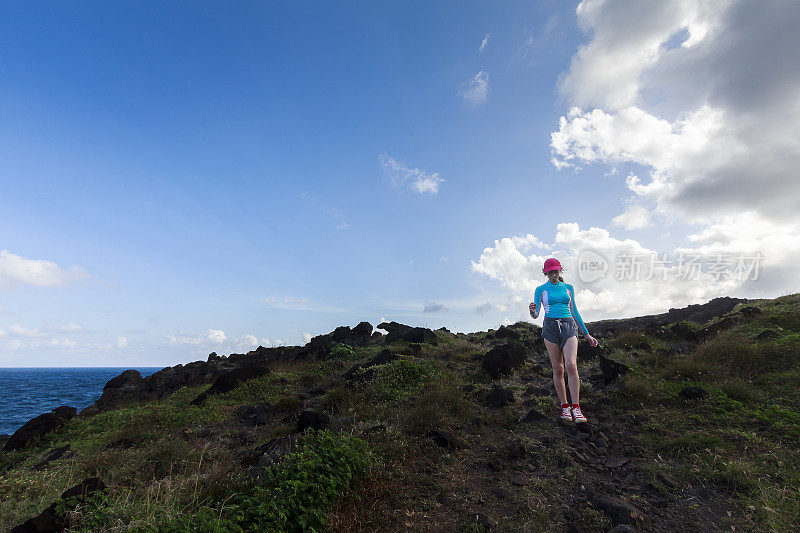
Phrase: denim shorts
(559,330)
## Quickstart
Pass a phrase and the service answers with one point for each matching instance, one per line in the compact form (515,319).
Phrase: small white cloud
(16,270)
(216,335)
(634,217)
(483,43)
(122,342)
(306,337)
(213,336)
(400,175)
(475,91)
(19,331)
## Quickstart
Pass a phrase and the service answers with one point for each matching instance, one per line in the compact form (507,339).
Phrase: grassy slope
(729,459)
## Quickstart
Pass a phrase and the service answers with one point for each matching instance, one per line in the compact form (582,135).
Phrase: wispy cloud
(16,270)
(287,302)
(212,336)
(332,212)
(434,307)
(483,308)
(417,180)
(475,91)
(483,43)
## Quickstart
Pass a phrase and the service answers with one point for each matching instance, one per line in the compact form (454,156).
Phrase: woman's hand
(532,309)
(591,340)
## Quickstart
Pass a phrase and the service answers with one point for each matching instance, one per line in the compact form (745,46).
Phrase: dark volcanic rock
(498,397)
(611,369)
(750,311)
(383,357)
(768,334)
(402,332)
(693,393)
(48,520)
(128,378)
(507,333)
(311,419)
(587,351)
(683,331)
(501,360)
(534,416)
(272,452)
(229,381)
(620,512)
(253,415)
(38,426)
(446,440)
(53,455)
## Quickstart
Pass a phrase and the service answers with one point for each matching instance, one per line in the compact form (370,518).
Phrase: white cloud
(483,43)
(475,91)
(20,331)
(122,342)
(16,270)
(401,175)
(702,95)
(611,296)
(634,217)
(212,336)
(306,337)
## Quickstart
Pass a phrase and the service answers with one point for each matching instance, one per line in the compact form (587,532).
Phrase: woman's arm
(574,309)
(537,302)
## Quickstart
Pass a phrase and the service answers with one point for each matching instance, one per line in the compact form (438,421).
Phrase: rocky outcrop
(501,360)
(401,332)
(229,381)
(355,373)
(38,426)
(654,324)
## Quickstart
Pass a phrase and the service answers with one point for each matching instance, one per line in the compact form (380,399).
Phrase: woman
(560,333)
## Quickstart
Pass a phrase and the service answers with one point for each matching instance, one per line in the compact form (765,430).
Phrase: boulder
(353,374)
(313,420)
(507,333)
(48,520)
(446,440)
(229,381)
(253,415)
(611,369)
(619,511)
(53,455)
(402,332)
(501,360)
(38,426)
(693,393)
(683,331)
(499,397)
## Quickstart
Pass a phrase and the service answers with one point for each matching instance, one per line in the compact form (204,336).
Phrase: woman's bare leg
(558,369)
(571,362)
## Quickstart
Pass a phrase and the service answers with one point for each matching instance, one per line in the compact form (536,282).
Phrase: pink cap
(552,264)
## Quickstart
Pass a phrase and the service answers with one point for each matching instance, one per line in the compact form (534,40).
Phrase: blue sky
(186,177)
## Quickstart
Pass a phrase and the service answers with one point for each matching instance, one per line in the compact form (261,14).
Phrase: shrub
(341,351)
(294,495)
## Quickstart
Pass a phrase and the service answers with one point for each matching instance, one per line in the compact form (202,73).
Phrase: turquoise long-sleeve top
(558,300)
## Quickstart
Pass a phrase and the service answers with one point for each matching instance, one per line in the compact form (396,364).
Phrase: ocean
(27,392)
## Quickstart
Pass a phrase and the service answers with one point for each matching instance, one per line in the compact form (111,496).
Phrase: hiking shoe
(576,412)
(566,414)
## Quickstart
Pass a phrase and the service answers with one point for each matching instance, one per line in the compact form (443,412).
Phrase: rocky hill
(693,425)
